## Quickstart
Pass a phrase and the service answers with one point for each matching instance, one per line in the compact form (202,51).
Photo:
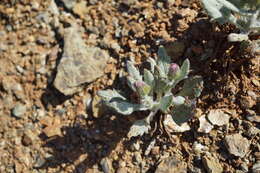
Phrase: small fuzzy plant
(154,89)
(244,14)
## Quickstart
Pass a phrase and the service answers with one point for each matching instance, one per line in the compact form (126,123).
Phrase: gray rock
(106,165)
(39,162)
(53,8)
(69,3)
(79,64)
(137,158)
(256,167)
(252,116)
(135,146)
(244,167)
(172,164)
(211,164)
(218,117)
(19,110)
(237,145)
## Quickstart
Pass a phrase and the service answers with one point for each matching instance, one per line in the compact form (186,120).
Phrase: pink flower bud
(174,68)
(139,84)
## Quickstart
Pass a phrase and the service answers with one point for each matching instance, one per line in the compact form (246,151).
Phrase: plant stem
(149,118)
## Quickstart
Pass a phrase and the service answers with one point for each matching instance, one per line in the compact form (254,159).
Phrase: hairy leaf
(183,73)
(244,14)
(131,82)
(183,113)
(178,100)
(192,87)
(139,128)
(163,61)
(165,103)
(152,64)
(124,107)
(148,78)
(109,94)
(133,72)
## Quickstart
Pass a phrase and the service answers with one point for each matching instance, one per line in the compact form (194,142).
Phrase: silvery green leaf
(139,128)
(192,87)
(163,61)
(183,113)
(133,72)
(165,103)
(124,107)
(217,8)
(148,78)
(148,102)
(131,82)
(161,85)
(109,94)
(178,100)
(243,14)
(152,64)
(183,73)
(159,71)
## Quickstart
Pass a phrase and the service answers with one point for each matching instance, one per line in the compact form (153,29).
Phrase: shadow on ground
(85,145)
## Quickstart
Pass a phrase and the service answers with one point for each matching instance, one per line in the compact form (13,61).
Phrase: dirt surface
(44,131)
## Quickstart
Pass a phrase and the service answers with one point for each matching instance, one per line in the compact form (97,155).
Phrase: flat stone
(69,3)
(218,117)
(211,164)
(29,137)
(256,167)
(237,145)
(19,110)
(205,125)
(252,116)
(170,165)
(171,126)
(106,165)
(247,102)
(79,64)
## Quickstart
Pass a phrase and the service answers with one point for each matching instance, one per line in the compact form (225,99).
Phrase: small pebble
(19,110)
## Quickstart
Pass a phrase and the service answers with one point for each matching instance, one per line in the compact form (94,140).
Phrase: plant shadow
(84,145)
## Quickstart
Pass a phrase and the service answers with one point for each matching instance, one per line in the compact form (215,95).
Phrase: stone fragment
(237,145)
(19,110)
(211,164)
(53,126)
(137,158)
(28,138)
(97,106)
(170,165)
(106,165)
(79,64)
(252,116)
(247,102)
(171,126)
(80,9)
(256,167)
(218,117)
(69,4)
(53,7)
(205,126)
(199,148)
(135,146)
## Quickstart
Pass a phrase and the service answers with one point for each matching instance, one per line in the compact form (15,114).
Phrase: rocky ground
(55,56)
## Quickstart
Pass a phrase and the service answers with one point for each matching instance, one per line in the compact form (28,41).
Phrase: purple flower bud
(174,68)
(139,84)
